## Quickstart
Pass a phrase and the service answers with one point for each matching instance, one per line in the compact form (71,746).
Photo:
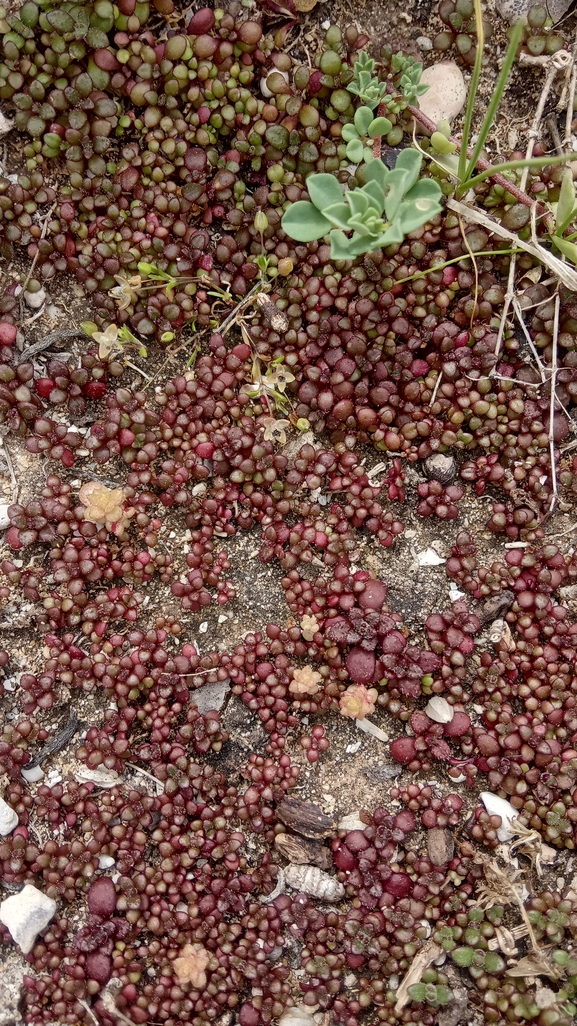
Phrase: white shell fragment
(496,806)
(297,1016)
(439,710)
(26,914)
(446,94)
(99,775)
(8,818)
(428,557)
(313,881)
(371,728)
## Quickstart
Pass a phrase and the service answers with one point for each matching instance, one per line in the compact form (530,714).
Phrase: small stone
(8,818)
(32,774)
(26,914)
(447,92)
(211,696)
(424,43)
(4,518)
(441,468)
(428,557)
(511,10)
(35,299)
(440,846)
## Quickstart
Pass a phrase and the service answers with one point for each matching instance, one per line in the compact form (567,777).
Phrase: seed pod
(440,846)
(272,315)
(304,818)
(300,852)
(313,881)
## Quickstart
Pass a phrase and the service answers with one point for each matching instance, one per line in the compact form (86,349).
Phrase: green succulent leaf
(375,194)
(566,202)
(441,144)
(323,190)
(355,151)
(61,22)
(339,214)
(410,161)
(349,133)
(392,237)
(493,963)
(444,994)
(568,249)
(340,246)
(358,201)
(418,991)
(463,957)
(396,187)
(362,119)
(378,173)
(304,223)
(378,127)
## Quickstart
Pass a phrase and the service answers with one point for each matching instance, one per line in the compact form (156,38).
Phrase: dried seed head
(275,317)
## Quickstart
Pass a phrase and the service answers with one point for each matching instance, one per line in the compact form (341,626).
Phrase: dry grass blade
(535,964)
(565,274)
(421,961)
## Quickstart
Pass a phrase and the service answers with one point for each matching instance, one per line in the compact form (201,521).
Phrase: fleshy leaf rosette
(105,506)
(406,201)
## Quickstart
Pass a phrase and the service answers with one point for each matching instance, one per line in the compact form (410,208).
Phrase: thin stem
(473,87)
(455,260)
(495,100)
(552,398)
(512,165)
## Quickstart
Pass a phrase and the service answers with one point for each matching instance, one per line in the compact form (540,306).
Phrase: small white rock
(26,914)
(352,749)
(424,43)
(496,806)
(8,818)
(428,557)
(203,627)
(32,774)
(4,519)
(106,862)
(439,710)
(35,299)
(446,94)
(351,822)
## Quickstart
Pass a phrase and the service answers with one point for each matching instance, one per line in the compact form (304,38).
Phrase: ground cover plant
(305,325)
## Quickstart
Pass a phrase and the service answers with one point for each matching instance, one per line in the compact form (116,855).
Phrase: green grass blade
(472,94)
(495,100)
(512,165)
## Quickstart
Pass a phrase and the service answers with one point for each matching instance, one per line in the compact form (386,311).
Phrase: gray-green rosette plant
(364,84)
(406,202)
(361,132)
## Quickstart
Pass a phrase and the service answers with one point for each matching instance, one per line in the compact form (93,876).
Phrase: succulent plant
(406,201)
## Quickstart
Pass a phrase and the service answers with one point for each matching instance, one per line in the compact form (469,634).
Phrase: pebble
(510,10)
(35,299)
(26,914)
(441,468)
(32,774)
(447,92)
(4,518)
(439,710)
(8,818)
(424,43)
